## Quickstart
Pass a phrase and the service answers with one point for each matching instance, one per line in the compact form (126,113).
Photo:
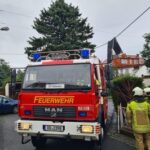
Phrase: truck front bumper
(74,130)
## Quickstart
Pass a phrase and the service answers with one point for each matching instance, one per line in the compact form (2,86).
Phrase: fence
(122,121)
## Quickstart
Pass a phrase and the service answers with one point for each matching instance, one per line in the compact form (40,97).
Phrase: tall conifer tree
(61,28)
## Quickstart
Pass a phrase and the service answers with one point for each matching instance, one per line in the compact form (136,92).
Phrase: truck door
(103,84)
(97,81)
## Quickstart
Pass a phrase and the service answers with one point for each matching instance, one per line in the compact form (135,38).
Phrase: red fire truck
(63,96)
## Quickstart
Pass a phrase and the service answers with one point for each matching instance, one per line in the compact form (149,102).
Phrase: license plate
(54,128)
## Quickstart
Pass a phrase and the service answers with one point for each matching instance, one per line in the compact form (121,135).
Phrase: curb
(127,132)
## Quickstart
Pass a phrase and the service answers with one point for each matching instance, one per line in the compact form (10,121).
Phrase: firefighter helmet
(147,90)
(137,91)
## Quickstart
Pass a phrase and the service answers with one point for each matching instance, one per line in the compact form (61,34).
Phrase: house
(131,64)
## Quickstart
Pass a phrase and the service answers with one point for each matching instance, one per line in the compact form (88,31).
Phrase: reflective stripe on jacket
(138,116)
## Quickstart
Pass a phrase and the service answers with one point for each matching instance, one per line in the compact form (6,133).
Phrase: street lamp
(4,28)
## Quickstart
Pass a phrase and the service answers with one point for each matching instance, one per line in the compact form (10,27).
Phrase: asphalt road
(10,140)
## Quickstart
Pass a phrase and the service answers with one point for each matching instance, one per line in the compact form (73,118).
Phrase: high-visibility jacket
(138,116)
(147,98)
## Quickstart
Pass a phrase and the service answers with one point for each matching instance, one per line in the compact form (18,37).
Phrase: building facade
(131,64)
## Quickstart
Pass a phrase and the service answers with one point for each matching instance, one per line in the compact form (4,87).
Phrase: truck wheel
(38,142)
(15,109)
(97,145)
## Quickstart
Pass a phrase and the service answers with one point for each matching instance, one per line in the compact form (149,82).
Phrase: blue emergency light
(36,56)
(82,114)
(27,112)
(85,53)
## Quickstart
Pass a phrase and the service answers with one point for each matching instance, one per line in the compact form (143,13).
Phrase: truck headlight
(24,126)
(87,129)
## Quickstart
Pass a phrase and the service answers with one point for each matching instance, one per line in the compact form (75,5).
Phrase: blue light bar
(85,53)
(36,56)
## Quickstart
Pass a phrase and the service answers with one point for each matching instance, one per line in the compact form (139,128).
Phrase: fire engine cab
(63,95)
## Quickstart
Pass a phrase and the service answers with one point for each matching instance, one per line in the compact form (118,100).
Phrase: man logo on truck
(53,111)
(60,110)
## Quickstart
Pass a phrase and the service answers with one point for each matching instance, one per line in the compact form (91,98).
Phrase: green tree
(146,51)
(20,75)
(122,89)
(4,72)
(61,28)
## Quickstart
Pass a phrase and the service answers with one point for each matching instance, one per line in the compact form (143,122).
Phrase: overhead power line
(122,31)
(132,22)
(11,54)
(102,45)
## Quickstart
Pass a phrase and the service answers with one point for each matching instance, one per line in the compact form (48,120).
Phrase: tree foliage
(146,51)
(4,72)
(19,75)
(122,89)
(61,28)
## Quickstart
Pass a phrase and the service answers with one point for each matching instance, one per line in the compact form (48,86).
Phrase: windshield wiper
(76,86)
(39,84)
(79,88)
(36,85)
(68,87)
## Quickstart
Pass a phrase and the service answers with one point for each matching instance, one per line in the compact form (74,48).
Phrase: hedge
(122,87)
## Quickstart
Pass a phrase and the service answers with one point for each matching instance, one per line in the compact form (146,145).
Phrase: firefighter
(147,94)
(138,111)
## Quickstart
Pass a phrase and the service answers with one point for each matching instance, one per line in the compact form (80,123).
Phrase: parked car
(8,105)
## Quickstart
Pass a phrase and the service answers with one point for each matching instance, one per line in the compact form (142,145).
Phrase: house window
(135,62)
(123,61)
(131,61)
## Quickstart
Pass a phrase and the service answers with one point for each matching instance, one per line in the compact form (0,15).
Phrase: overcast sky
(108,18)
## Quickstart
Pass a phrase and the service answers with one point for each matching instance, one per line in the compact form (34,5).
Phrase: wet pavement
(10,140)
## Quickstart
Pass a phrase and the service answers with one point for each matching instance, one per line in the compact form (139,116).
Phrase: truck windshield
(52,77)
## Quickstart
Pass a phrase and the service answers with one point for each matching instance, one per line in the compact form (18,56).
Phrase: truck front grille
(54,112)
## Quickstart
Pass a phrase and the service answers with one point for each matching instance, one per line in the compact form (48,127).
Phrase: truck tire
(103,125)
(97,145)
(38,142)
(101,119)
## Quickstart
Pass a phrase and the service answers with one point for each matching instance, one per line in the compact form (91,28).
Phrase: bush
(122,89)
